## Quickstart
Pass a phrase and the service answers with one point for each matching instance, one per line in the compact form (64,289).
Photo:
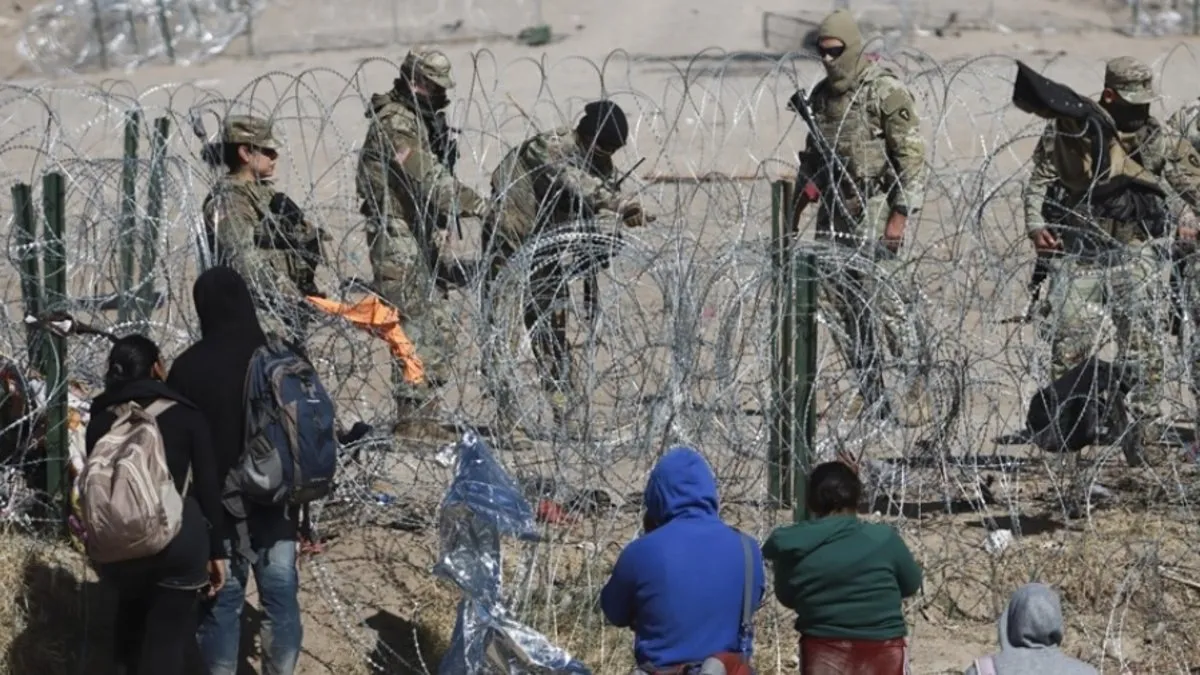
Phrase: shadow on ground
(68,623)
(402,646)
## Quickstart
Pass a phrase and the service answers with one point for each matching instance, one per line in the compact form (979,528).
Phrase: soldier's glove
(287,211)
(634,216)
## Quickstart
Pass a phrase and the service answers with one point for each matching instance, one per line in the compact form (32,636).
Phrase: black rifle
(591,282)
(831,162)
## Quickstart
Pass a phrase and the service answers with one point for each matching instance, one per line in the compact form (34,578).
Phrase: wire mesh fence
(681,352)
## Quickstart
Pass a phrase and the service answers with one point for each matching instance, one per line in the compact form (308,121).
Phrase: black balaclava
(1129,117)
(604,124)
(426,104)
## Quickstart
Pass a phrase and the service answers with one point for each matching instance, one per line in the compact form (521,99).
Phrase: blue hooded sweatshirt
(679,587)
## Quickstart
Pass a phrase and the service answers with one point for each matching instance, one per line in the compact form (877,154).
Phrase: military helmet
(248,130)
(432,64)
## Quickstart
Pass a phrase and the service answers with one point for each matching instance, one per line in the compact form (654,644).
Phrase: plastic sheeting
(482,506)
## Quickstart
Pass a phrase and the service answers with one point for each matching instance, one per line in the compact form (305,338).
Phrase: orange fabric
(377,318)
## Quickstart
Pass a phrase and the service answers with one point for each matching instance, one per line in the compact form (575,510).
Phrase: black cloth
(1070,413)
(187,442)
(604,122)
(212,372)
(154,629)
(1037,94)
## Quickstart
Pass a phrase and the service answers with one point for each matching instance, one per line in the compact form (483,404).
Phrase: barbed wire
(681,351)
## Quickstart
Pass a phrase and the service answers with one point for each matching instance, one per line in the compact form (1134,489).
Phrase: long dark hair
(132,358)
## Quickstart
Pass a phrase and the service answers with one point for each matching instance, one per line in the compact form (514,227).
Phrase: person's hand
(893,232)
(1044,240)
(217,573)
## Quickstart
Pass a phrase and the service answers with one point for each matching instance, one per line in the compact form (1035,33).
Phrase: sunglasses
(832,52)
(269,152)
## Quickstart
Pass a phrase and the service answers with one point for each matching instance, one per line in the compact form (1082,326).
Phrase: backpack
(130,506)
(291,445)
(725,663)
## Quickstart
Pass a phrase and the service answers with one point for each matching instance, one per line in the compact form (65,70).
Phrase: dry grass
(1128,589)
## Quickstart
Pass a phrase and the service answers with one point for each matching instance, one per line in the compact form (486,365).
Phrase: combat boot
(416,421)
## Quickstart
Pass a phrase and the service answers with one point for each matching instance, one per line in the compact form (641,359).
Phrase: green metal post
(168,38)
(128,225)
(54,265)
(804,361)
(31,275)
(154,210)
(779,460)
(98,26)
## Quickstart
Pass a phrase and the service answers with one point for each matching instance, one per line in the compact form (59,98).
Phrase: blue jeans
(278,584)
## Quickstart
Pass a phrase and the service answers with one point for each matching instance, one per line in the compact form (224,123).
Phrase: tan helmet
(432,64)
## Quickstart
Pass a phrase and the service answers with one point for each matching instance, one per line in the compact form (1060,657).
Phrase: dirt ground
(1128,576)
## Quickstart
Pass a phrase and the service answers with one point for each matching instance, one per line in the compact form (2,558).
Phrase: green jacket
(844,578)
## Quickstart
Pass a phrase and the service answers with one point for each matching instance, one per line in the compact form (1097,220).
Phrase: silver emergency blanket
(482,505)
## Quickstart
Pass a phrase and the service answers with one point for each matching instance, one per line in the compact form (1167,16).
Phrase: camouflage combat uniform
(409,197)
(541,187)
(1129,288)
(276,258)
(868,118)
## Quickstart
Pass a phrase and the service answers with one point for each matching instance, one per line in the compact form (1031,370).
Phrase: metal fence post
(54,267)
(31,275)
(804,366)
(128,225)
(154,210)
(779,458)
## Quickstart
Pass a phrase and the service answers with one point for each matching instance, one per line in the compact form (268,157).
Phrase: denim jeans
(278,583)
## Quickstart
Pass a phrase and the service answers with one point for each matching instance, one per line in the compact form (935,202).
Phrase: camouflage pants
(869,308)
(404,279)
(1132,294)
(282,316)
(545,318)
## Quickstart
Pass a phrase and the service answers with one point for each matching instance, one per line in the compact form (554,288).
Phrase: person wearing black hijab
(212,374)
(157,595)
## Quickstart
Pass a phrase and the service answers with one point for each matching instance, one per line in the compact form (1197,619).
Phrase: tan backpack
(130,506)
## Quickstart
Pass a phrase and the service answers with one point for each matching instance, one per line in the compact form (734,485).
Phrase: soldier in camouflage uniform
(868,119)
(410,197)
(549,182)
(1123,276)
(260,232)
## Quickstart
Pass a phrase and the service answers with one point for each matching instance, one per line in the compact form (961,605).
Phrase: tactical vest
(850,124)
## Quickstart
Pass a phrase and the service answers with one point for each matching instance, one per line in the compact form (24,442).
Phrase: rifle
(591,282)
(800,104)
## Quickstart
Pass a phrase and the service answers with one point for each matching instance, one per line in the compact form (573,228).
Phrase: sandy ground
(696,110)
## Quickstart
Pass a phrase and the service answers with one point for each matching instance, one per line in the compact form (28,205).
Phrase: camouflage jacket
(547,181)
(400,176)
(1186,122)
(875,131)
(244,234)
(1154,154)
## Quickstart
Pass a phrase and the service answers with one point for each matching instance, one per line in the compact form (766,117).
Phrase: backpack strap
(747,594)
(159,407)
(985,665)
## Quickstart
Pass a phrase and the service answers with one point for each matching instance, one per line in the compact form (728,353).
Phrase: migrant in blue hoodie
(680,586)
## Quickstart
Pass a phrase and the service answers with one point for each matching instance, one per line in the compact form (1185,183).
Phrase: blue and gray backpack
(291,443)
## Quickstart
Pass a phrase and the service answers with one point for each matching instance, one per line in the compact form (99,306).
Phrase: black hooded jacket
(212,372)
(186,440)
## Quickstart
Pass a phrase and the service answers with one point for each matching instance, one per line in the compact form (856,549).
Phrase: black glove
(287,210)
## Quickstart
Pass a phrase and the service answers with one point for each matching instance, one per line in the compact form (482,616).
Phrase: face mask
(428,103)
(1128,116)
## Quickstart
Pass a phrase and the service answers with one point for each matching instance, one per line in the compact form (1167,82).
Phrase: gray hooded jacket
(1031,630)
